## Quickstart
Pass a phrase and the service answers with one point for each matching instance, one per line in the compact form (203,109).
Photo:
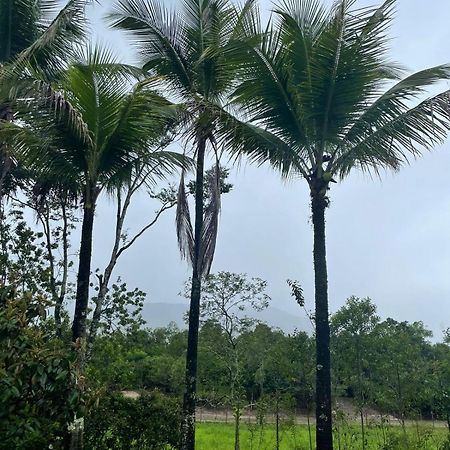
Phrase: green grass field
(220,436)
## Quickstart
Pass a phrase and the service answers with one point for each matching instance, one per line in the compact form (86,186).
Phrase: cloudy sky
(387,238)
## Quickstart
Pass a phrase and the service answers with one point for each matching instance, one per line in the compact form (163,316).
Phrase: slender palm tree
(196,49)
(90,130)
(323,99)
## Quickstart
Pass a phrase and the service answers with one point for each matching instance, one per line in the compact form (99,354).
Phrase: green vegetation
(39,395)
(220,436)
(312,94)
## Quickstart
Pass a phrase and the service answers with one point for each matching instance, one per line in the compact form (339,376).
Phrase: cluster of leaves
(138,359)
(389,364)
(22,255)
(39,392)
(122,308)
(149,422)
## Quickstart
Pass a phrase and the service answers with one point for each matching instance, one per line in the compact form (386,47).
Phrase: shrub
(149,422)
(38,386)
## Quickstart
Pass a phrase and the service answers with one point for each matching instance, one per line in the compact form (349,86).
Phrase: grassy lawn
(220,436)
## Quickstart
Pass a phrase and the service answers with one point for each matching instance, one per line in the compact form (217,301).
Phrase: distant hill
(159,315)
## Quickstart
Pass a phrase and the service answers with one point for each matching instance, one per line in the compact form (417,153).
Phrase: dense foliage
(39,392)
(401,371)
(149,422)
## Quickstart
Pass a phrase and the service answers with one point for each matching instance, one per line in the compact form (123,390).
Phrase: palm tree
(35,36)
(91,131)
(318,97)
(196,49)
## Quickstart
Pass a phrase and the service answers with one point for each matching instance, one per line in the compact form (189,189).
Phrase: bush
(38,387)
(149,422)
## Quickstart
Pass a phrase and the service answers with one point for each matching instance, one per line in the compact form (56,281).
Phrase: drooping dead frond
(210,223)
(185,232)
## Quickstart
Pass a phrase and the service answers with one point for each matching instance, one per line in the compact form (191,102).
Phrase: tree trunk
(63,289)
(361,393)
(188,424)
(324,435)
(237,428)
(84,268)
(309,431)
(277,423)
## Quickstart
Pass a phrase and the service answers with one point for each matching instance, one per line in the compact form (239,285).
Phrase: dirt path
(350,413)
(346,406)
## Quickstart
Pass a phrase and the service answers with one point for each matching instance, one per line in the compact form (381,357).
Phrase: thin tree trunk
(63,289)
(361,393)
(237,428)
(188,425)
(45,220)
(6,165)
(277,423)
(84,268)
(309,431)
(104,279)
(324,435)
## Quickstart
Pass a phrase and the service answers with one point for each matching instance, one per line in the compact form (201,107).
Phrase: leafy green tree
(22,256)
(39,396)
(440,378)
(196,50)
(315,92)
(137,358)
(351,329)
(400,366)
(99,132)
(227,299)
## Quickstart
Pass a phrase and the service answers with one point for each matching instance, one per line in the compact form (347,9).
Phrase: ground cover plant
(220,436)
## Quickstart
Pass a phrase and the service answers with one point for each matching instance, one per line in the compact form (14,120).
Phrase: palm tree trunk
(84,268)
(324,435)
(188,425)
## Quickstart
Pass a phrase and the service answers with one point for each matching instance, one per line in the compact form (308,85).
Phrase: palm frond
(54,47)
(210,224)
(91,121)
(395,100)
(185,233)
(19,27)
(388,143)
(158,34)
(259,145)
(265,91)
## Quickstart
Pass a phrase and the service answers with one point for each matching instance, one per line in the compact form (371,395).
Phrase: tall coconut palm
(324,100)
(90,130)
(195,48)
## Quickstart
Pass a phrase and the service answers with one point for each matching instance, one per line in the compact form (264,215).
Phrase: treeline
(388,365)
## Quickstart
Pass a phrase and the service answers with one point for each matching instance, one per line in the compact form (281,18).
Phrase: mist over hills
(158,315)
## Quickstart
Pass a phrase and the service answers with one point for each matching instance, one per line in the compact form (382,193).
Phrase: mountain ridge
(160,314)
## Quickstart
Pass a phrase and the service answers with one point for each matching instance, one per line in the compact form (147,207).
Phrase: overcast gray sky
(388,239)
